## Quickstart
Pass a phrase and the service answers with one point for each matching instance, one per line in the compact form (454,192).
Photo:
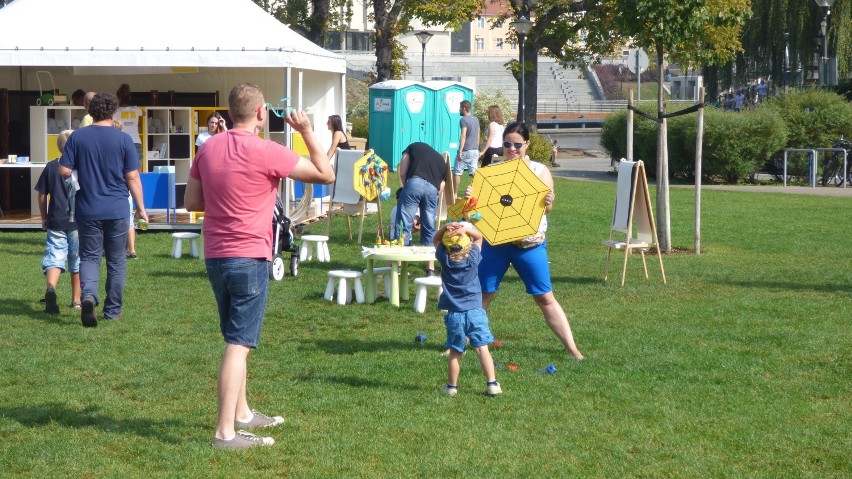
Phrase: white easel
(632,186)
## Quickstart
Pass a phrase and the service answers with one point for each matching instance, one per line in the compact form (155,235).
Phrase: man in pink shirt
(234,180)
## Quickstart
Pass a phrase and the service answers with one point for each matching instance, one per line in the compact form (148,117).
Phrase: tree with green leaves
(393,18)
(794,24)
(313,19)
(570,31)
(689,32)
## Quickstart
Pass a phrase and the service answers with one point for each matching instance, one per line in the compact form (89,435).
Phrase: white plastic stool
(380,274)
(321,241)
(344,289)
(422,291)
(177,245)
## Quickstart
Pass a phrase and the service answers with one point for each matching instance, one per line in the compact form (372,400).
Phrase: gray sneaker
(493,389)
(450,391)
(243,440)
(258,421)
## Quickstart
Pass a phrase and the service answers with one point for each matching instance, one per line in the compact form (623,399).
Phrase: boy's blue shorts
(462,325)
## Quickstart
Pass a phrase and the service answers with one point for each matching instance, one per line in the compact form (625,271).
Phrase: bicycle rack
(845,158)
(812,153)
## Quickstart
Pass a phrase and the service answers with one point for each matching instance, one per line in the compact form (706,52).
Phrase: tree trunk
(663,217)
(384,25)
(530,86)
(318,24)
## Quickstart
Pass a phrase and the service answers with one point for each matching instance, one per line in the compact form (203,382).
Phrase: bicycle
(832,170)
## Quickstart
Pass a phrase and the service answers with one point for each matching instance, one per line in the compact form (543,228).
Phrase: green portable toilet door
(399,115)
(447,130)
(413,120)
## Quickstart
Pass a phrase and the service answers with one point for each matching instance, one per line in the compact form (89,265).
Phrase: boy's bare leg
(454,367)
(75,288)
(487,362)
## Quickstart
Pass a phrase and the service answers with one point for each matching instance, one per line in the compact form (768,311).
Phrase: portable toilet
(400,112)
(444,127)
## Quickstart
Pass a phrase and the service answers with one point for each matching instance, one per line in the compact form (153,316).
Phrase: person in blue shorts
(62,241)
(458,251)
(529,254)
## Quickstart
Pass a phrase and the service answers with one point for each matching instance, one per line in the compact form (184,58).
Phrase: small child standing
(458,251)
(61,243)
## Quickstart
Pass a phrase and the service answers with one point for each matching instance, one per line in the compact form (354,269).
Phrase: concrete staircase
(559,89)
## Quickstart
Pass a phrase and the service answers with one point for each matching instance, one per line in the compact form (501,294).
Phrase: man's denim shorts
(472,324)
(61,245)
(470,160)
(240,286)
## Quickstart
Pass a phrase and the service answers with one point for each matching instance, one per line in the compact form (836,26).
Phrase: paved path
(595,166)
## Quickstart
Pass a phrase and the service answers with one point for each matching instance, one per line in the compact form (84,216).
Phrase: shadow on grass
(790,285)
(356,382)
(27,310)
(45,414)
(575,280)
(354,346)
(178,274)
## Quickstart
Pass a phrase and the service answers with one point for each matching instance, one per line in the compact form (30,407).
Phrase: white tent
(178,45)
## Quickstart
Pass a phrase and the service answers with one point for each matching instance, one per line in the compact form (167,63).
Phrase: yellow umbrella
(507,202)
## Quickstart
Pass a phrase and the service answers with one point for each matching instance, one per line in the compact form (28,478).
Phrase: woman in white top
(215,124)
(494,139)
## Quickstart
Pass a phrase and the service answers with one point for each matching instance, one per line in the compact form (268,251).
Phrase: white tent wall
(321,92)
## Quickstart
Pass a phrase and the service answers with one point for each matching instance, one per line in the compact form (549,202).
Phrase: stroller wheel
(294,265)
(276,268)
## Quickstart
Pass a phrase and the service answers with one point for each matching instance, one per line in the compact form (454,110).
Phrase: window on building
(480,22)
(513,45)
(499,45)
(480,43)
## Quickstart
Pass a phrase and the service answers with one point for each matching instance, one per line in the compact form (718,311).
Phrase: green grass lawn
(739,367)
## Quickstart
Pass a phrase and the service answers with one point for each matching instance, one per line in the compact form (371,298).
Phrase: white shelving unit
(168,140)
(46,122)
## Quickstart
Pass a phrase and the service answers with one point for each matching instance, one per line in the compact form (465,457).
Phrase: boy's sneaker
(493,389)
(259,420)
(450,390)
(50,305)
(243,440)
(87,313)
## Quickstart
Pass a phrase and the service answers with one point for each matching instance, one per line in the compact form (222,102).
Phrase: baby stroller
(283,240)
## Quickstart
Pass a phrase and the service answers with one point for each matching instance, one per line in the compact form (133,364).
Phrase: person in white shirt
(494,140)
(215,124)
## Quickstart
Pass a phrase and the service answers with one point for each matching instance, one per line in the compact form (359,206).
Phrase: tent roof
(154,33)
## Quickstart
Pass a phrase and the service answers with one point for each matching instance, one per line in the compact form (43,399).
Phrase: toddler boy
(458,251)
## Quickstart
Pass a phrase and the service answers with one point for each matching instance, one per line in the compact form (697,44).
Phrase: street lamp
(424,38)
(522,27)
(823,73)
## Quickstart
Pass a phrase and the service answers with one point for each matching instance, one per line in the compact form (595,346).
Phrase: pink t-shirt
(239,174)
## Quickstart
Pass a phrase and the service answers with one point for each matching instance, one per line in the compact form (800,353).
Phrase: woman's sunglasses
(509,144)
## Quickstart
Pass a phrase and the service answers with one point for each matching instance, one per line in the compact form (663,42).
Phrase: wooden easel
(447,197)
(632,203)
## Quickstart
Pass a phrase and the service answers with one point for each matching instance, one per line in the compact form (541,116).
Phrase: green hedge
(736,145)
